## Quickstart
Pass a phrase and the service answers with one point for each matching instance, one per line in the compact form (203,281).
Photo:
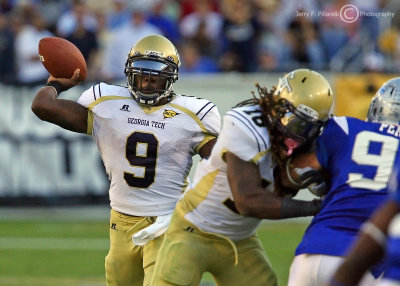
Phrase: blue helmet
(385,105)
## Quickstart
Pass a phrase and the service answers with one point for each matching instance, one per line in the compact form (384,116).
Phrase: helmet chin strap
(291,145)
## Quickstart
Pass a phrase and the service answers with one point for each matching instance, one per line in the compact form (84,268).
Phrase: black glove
(313,180)
(318,190)
(308,176)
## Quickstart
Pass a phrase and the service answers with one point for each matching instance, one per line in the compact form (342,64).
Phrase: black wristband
(296,208)
(57,86)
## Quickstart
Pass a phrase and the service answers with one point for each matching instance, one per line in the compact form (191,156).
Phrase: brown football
(61,58)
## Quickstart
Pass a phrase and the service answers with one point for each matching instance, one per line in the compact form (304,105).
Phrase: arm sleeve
(239,139)
(89,96)
(86,98)
(210,125)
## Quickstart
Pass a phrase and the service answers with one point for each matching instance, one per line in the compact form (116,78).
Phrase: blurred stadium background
(53,190)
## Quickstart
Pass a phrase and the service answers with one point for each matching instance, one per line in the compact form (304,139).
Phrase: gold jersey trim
(207,135)
(90,119)
(197,194)
(105,98)
(146,109)
(254,160)
(258,156)
(150,109)
(185,182)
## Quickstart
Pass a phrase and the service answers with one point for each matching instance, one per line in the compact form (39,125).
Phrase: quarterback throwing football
(146,135)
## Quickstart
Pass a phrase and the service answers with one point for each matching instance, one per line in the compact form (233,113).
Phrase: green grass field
(55,252)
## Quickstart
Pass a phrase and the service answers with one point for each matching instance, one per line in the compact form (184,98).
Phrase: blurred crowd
(211,35)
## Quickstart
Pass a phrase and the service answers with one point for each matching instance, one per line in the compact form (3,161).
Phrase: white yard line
(95,213)
(54,243)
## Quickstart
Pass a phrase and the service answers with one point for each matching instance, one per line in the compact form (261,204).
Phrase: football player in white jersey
(146,135)
(213,226)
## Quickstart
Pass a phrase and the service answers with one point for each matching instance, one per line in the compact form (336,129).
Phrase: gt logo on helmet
(284,82)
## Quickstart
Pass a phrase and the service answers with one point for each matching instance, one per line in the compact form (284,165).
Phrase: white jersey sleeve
(86,99)
(94,95)
(90,95)
(204,113)
(208,114)
(211,120)
(243,137)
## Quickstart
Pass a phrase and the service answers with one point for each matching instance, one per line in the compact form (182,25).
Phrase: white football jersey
(208,204)
(147,151)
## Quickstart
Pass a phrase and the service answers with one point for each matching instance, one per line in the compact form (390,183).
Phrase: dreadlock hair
(272,109)
(262,93)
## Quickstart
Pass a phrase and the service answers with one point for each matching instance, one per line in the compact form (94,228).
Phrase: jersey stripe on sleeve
(251,129)
(250,125)
(207,112)
(94,92)
(99,90)
(198,112)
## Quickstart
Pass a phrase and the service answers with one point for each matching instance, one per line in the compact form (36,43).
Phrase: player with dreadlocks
(213,226)
(290,120)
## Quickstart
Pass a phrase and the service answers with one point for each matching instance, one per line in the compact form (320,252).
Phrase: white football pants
(317,270)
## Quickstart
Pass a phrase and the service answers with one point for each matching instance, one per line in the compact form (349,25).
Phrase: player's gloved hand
(307,176)
(62,84)
(151,232)
(313,180)
(318,189)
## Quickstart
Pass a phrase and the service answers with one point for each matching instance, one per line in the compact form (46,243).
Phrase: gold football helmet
(304,103)
(152,69)
(385,105)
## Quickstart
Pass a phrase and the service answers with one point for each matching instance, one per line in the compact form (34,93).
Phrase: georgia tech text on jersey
(145,122)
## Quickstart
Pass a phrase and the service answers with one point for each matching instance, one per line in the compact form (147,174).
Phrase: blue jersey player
(380,235)
(358,157)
